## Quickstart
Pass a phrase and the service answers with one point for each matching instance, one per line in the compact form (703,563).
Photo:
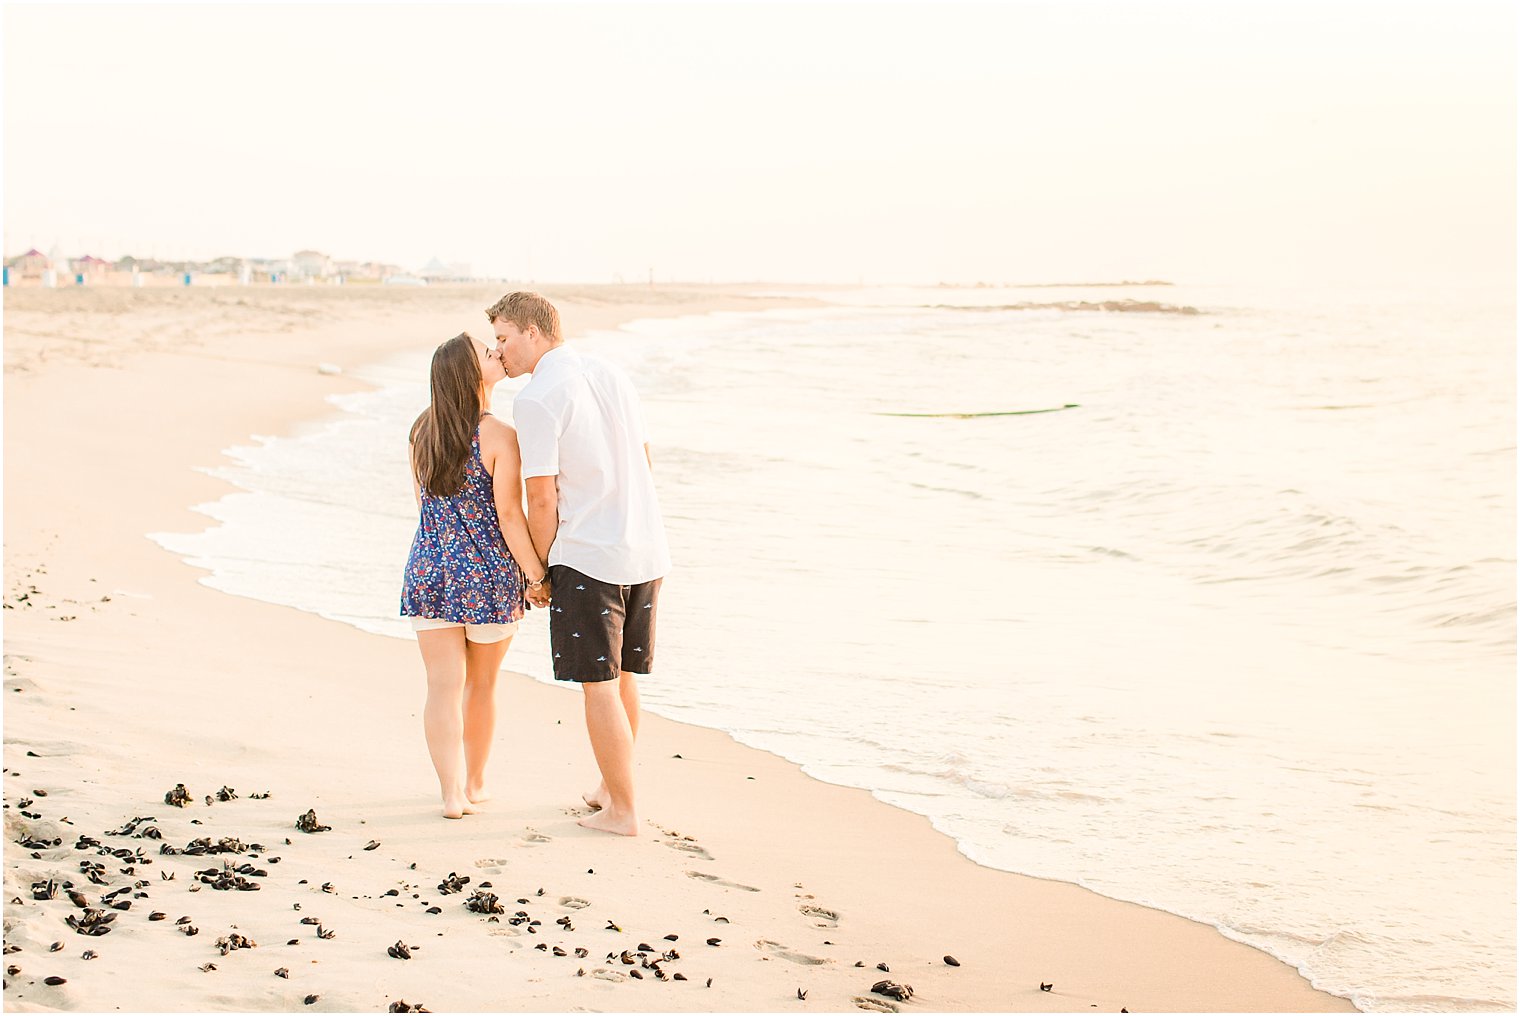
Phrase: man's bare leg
(612,744)
(628,693)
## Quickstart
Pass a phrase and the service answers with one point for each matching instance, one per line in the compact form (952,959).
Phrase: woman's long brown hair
(442,435)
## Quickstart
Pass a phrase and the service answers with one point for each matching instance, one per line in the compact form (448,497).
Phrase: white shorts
(472,632)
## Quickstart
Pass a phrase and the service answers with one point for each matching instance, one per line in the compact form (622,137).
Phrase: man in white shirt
(594,517)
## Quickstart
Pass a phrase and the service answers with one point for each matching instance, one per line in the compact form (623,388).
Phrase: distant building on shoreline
(30,265)
(436,271)
(310,264)
(90,268)
(305,267)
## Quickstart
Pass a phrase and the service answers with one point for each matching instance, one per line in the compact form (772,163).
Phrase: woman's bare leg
(482,664)
(443,656)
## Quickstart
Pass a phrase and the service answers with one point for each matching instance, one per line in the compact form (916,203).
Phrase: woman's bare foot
(477,795)
(457,807)
(608,820)
(598,798)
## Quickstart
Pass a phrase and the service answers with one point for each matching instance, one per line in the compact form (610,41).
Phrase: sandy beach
(753,887)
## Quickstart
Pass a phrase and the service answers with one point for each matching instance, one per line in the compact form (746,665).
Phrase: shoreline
(132,671)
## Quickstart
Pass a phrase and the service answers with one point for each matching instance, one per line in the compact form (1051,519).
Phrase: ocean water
(1233,635)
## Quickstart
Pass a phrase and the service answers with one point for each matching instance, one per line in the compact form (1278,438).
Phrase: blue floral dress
(460,569)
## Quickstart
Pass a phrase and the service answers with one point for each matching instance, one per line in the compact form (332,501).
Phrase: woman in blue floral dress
(471,565)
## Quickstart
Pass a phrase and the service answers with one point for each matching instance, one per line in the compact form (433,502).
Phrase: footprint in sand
(874,1004)
(780,951)
(822,917)
(574,902)
(534,836)
(695,849)
(715,880)
(491,865)
(608,975)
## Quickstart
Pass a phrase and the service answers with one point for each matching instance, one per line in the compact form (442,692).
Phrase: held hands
(539,593)
(539,596)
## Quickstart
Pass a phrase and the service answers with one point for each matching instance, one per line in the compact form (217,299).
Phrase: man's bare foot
(609,820)
(457,807)
(598,798)
(477,795)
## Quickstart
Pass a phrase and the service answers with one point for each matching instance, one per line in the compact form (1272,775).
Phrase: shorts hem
(481,633)
(601,680)
(588,680)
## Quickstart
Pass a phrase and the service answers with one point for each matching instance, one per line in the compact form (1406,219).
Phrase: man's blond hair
(523,309)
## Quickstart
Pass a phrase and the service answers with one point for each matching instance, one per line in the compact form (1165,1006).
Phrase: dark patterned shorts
(597,629)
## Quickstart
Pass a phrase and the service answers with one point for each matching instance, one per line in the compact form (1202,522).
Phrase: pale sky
(1014,142)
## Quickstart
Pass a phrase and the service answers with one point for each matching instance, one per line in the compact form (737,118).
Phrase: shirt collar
(561,353)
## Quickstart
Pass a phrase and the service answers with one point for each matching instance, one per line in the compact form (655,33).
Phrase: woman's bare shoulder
(497,429)
(497,435)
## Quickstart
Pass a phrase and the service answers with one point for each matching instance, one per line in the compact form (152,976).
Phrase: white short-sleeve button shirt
(578,419)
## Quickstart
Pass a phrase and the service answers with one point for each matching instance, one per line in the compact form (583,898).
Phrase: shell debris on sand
(453,883)
(91,922)
(891,989)
(233,942)
(482,902)
(308,823)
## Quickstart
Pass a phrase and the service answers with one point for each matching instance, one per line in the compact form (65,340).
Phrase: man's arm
(538,443)
(543,512)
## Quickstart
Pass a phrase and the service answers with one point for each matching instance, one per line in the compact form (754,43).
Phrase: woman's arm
(411,458)
(506,488)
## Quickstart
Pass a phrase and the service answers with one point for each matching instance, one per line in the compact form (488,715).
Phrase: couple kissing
(556,510)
